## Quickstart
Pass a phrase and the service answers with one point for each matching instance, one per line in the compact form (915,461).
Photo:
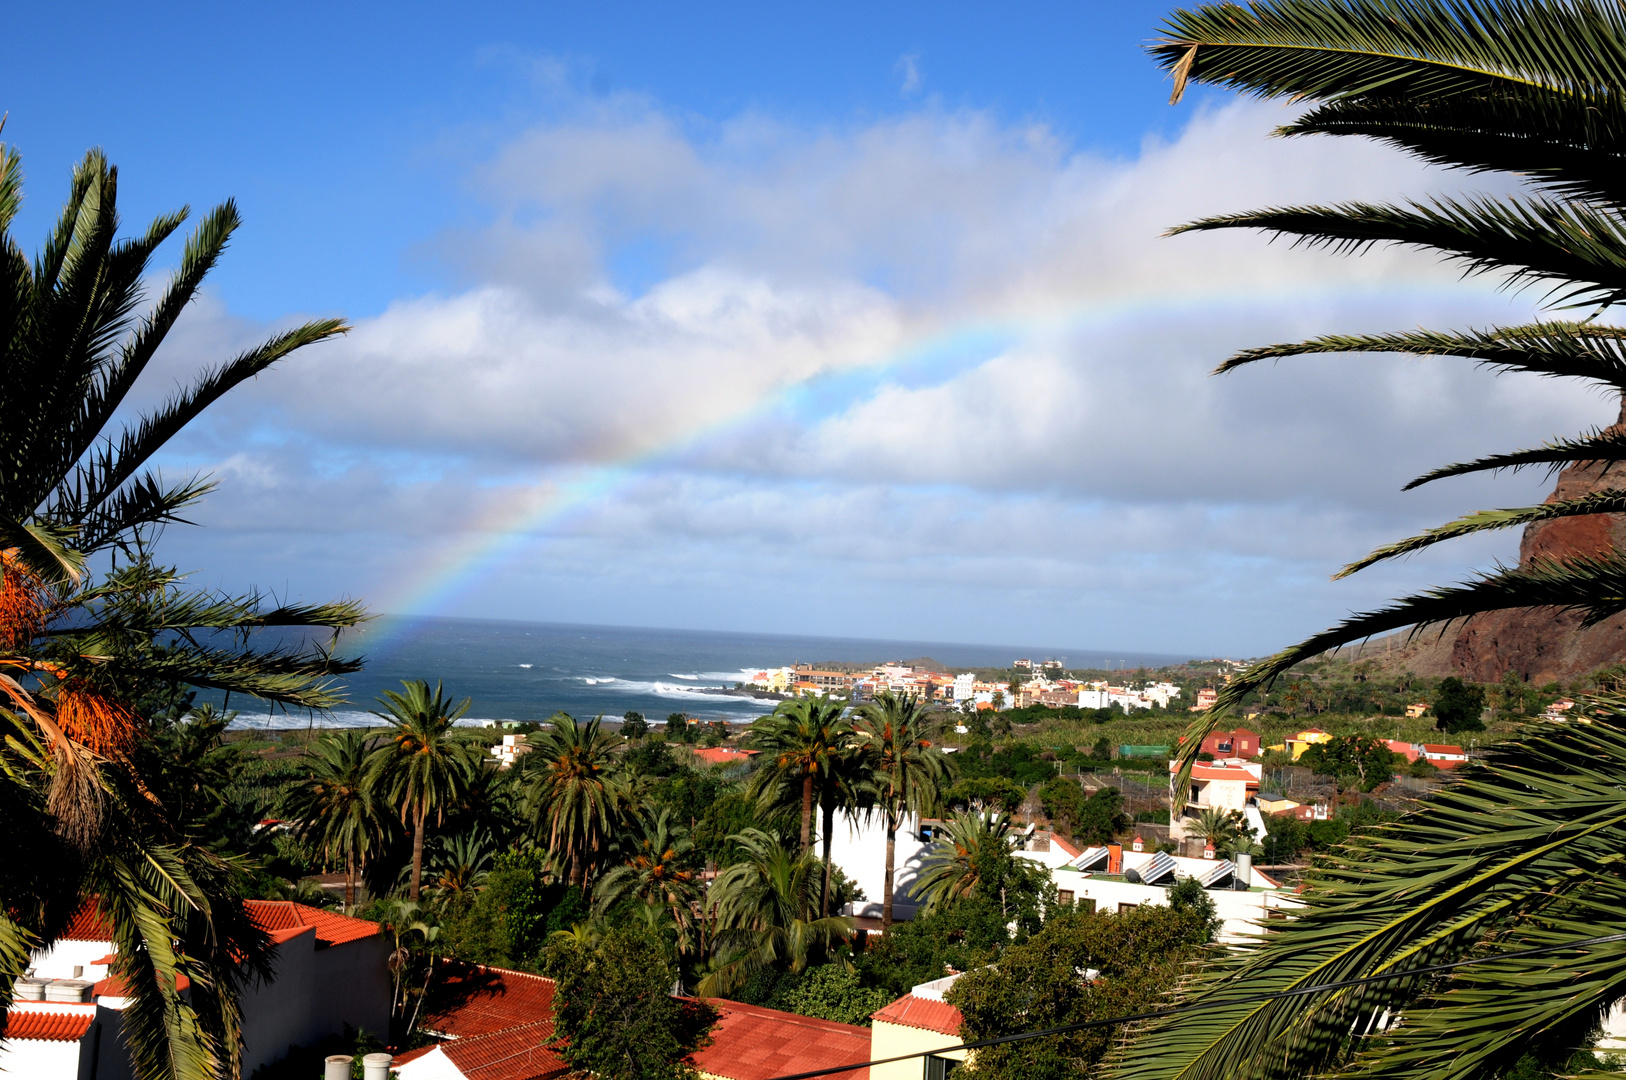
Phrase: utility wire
(1209,1003)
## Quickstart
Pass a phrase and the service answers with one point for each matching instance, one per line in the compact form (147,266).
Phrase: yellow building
(1301,742)
(919,1022)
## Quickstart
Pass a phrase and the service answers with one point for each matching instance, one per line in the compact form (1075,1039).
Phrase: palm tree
(802,741)
(78,768)
(765,906)
(424,767)
(572,790)
(459,864)
(841,788)
(337,807)
(1520,851)
(953,867)
(1217,826)
(658,872)
(905,771)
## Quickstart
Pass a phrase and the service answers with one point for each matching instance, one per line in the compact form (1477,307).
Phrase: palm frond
(1518,850)
(1597,502)
(43,549)
(1399,49)
(1605,446)
(1566,146)
(1571,350)
(1595,586)
(1578,248)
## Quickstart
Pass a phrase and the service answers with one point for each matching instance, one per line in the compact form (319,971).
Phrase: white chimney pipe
(376,1067)
(336,1067)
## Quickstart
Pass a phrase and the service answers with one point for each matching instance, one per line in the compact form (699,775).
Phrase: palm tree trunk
(886,889)
(807,811)
(417,848)
(829,828)
(578,869)
(349,881)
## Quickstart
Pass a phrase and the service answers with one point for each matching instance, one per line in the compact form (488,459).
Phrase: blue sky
(848,320)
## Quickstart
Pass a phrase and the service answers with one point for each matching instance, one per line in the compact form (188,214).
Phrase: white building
(964,686)
(67,1024)
(1111,879)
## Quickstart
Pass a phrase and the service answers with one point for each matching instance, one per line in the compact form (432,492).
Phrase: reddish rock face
(1546,644)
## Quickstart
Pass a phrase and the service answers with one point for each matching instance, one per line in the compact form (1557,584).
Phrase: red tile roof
(47,1026)
(723,755)
(924,1013)
(115,986)
(88,924)
(753,1043)
(469,1000)
(517,1053)
(273,916)
(1073,851)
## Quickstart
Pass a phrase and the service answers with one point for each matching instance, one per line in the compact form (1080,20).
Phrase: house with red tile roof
(920,1022)
(331,972)
(723,755)
(496,1024)
(48,1039)
(750,1042)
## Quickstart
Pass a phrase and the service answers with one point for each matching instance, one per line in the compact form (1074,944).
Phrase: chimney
(336,1067)
(1138,845)
(1208,850)
(1244,870)
(1115,858)
(376,1066)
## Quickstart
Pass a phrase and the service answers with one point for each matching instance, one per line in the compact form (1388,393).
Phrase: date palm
(78,651)
(905,769)
(573,790)
(766,914)
(337,807)
(801,742)
(424,766)
(1520,852)
(659,872)
(953,864)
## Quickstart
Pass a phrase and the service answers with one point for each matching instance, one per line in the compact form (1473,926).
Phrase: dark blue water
(528,671)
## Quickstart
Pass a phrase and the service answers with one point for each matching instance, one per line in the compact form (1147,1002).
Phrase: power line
(1209,1003)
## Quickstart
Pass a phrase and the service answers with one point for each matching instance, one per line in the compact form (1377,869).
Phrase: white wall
(58,961)
(1240,913)
(49,1059)
(860,850)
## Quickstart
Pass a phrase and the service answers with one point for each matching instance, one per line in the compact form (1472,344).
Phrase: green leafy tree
(986,793)
(1063,802)
(337,807)
(767,914)
(84,656)
(677,728)
(424,766)
(573,790)
(1101,817)
(1079,967)
(1355,761)
(1508,856)
(831,992)
(1458,705)
(633,725)
(905,769)
(614,1015)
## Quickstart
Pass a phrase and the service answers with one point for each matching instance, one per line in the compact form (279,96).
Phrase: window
(1127,907)
(1064,896)
(939,1068)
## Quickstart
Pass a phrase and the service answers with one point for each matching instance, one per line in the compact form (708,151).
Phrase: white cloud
(937,352)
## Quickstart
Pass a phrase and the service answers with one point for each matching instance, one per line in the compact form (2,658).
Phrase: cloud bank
(936,376)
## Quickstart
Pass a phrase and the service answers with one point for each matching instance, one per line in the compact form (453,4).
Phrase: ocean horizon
(526,671)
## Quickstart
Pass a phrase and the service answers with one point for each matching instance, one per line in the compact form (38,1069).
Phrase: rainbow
(488,544)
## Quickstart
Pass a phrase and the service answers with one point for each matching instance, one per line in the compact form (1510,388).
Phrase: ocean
(515,671)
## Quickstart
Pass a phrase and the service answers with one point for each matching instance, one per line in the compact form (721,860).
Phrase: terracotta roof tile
(44,1026)
(273,916)
(88,924)
(517,1053)
(468,1000)
(115,986)
(753,1043)
(924,1013)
